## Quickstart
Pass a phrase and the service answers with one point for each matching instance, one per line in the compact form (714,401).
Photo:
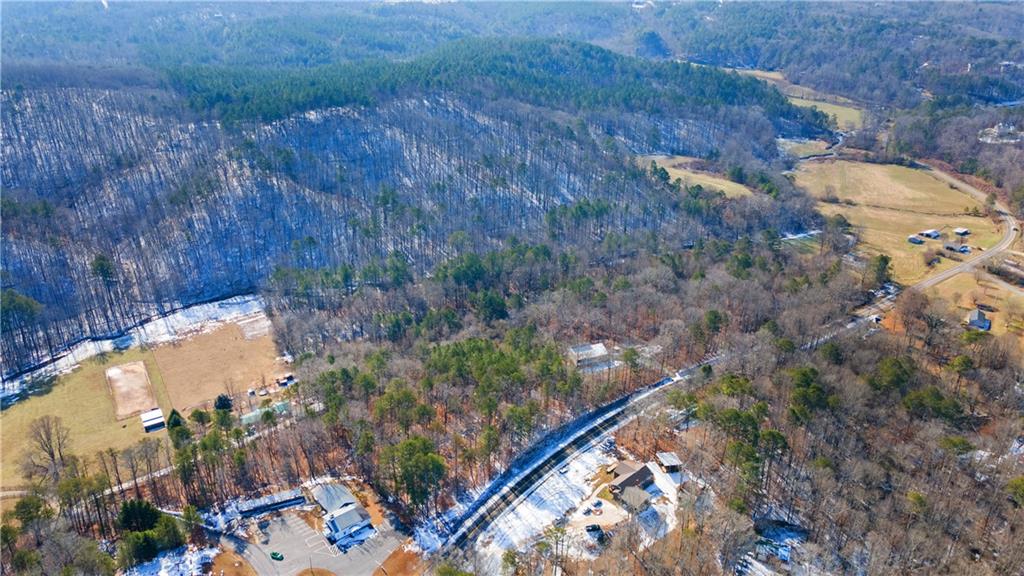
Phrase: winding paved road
(507,490)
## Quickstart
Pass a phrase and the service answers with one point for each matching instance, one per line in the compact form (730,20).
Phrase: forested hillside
(123,203)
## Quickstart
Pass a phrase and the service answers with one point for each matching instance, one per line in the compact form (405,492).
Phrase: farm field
(965,292)
(196,370)
(678,167)
(887,203)
(82,400)
(847,117)
(182,375)
(803,148)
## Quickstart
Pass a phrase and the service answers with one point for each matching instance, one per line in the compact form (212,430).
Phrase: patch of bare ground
(401,562)
(228,563)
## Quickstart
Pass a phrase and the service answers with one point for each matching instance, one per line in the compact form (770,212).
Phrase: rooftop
(332,497)
(585,351)
(669,459)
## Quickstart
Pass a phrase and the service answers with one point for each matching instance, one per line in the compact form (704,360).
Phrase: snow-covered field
(247,310)
(178,562)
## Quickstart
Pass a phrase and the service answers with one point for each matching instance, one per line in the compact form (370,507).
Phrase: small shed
(931,233)
(961,231)
(977,320)
(153,420)
(669,462)
(914,240)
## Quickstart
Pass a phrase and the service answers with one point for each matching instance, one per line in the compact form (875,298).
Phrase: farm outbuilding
(961,231)
(930,233)
(153,420)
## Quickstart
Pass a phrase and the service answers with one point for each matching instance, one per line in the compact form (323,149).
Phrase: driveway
(303,547)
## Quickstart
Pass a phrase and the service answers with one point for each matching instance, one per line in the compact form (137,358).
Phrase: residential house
(346,522)
(977,320)
(589,355)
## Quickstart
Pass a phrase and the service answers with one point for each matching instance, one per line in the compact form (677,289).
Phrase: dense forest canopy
(883,53)
(565,75)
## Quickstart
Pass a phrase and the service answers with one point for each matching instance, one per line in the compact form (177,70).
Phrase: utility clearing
(886,204)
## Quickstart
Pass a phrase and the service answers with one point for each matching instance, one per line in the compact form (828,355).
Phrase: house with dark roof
(977,320)
(640,478)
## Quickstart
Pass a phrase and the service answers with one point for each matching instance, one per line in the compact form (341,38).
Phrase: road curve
(1009,234)
(504,492)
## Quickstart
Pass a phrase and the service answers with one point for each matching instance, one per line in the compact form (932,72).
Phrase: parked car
(276,556)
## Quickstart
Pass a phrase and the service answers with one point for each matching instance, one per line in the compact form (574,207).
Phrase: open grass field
(965,292)
(82,399)
(804,148)
(847,117)
(678,167)
(196,370)
(887,203)
(182,375)
(883,185)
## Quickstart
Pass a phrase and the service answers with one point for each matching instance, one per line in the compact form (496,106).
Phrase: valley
(524,289)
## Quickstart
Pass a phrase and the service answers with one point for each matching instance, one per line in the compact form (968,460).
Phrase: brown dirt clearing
(198,369)
(130,389)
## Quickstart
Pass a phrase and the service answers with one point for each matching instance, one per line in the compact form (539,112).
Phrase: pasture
(681,167)
(223,361)
(82,400)
(100,414)
(847,117)
(803,148)
(887,203)
(847,114)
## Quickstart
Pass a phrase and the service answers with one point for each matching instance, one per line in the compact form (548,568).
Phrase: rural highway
(566,443)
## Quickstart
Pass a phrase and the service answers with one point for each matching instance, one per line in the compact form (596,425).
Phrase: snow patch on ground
(431,534)
(247,310)
(178,562)
(556,495)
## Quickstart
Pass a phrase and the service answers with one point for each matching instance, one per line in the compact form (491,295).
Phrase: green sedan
(277,556)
